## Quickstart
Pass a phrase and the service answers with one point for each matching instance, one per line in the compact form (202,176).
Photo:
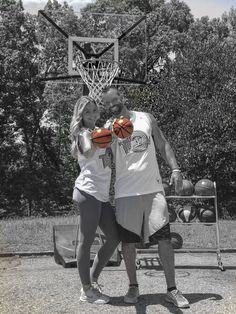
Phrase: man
(141,208)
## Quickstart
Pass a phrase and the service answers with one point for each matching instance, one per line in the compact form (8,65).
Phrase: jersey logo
(138,142)
(106,158)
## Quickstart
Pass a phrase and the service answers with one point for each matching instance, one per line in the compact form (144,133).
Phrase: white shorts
(141,215)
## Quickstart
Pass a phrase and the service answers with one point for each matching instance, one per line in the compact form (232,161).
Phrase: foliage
(191,91)
(20,90)
(193,100)
(35,177)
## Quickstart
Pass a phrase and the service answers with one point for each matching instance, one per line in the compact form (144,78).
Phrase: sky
(199,8)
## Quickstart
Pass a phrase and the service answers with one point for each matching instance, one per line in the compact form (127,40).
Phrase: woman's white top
(95,175)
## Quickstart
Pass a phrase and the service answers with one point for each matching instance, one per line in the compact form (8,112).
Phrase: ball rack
(217,250)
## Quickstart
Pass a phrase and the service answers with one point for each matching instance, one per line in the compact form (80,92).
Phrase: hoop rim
(98,60)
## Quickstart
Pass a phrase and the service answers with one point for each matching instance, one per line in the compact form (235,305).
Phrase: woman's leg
(90,210)
(108,225)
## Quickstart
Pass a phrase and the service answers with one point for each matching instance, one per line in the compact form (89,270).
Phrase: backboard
(114,37)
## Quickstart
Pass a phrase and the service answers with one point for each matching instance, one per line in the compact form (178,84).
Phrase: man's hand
(177,179)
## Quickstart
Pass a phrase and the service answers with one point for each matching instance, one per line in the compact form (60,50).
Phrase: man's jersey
(137,171)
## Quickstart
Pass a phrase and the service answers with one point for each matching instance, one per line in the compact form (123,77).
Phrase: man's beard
(116,110)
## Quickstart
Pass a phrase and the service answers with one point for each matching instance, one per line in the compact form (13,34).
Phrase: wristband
(176,170)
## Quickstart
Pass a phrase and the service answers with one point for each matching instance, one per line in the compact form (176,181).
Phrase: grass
(30,234)
(35,234)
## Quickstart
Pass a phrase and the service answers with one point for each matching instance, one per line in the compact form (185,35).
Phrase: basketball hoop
(96,74)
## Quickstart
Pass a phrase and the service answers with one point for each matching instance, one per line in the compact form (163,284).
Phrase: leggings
(94,213)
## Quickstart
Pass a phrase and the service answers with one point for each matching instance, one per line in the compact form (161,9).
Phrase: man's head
(113,101)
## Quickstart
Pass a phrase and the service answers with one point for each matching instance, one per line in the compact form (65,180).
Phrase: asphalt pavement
(37,285)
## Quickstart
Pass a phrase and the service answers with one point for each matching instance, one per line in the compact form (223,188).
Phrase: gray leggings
(94,213)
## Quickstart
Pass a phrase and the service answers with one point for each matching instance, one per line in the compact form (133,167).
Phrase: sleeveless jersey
(137,171)
(95,175)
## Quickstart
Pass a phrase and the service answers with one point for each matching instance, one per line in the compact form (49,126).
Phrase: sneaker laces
(96,286)
(177,293)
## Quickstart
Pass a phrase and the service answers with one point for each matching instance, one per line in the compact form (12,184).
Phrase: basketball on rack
(172,213)
(123,127)
(178,208)
(166,187)
(204,187)
(101,137)
(206,214)
(176,240)
(186,213)
(187,188)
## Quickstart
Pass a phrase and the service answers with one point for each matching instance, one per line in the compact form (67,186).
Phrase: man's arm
(167,153)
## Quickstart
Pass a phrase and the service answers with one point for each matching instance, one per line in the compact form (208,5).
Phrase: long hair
(77,122)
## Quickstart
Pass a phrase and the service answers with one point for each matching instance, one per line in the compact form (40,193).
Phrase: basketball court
(38,285)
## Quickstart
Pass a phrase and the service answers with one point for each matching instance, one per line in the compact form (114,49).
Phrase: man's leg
(159,215)
(166,254)
(129,255)
(129,215)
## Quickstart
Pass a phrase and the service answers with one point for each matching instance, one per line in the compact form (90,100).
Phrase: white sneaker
(132,295)
(176,297)
(93,295)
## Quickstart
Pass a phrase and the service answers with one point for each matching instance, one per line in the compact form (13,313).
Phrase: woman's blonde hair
(77,122)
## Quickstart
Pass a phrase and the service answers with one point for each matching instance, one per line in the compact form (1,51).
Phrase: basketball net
(96,74)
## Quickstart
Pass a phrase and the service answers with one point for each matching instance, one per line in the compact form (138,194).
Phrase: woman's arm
(85,145)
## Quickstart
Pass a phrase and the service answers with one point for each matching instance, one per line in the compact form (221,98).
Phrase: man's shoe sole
(93,301)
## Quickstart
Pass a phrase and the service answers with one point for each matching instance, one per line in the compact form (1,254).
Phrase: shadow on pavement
(159,299)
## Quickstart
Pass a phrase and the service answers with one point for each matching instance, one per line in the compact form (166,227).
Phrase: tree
(30,160)
(19,92)
(191,91)
(193,99)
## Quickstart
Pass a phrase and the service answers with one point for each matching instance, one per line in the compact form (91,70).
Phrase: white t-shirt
(95,175)
(137,171)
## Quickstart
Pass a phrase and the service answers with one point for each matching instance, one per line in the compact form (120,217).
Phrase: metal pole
(220,264)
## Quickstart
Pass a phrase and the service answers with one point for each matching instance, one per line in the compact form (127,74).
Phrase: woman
(91,194)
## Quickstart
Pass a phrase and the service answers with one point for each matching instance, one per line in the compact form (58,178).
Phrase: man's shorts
(143,217)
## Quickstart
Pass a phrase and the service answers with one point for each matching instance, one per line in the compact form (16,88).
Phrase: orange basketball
(101,137)
(123,127)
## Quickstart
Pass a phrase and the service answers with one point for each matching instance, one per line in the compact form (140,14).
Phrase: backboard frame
(119,79)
